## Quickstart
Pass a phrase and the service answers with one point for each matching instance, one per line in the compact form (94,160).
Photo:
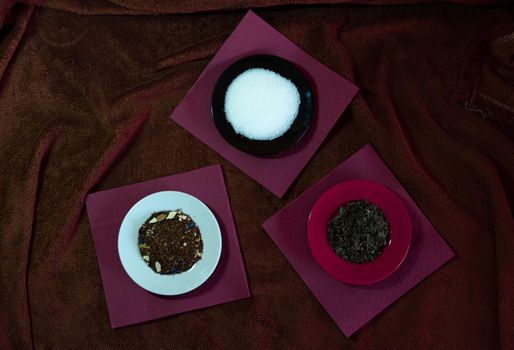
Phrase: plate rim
(217,252)
(313,240)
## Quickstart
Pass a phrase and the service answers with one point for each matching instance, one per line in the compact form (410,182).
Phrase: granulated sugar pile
(261,104)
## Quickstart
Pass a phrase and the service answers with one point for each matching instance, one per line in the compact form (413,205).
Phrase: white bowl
(136,267)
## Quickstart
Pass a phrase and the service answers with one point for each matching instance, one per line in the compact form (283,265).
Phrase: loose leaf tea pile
(170,242)
(359,232)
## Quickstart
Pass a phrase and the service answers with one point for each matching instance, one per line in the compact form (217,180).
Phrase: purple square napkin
(332,93)
(352,306)
(126,301)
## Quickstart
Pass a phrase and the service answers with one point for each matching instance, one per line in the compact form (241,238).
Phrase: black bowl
(300,124)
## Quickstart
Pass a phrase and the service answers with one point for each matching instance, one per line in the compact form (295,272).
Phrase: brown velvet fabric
(85,104)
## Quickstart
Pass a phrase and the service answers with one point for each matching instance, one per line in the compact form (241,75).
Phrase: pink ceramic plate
(399,224)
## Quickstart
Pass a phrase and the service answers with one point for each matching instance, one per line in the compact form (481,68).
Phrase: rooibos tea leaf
(170,242)
(359,232)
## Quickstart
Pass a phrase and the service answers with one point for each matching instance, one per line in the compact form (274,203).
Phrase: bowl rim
(300,125)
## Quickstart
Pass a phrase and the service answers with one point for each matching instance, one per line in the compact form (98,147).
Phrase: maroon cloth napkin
(332,93)
(126,301)
(352,306)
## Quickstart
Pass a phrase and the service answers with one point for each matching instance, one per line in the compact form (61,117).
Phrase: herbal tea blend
(261,104)
(359,232)
(170,242)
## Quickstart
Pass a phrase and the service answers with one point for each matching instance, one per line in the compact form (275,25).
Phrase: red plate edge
(396,214)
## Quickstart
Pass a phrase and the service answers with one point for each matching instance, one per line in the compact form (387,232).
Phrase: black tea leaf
(359,232)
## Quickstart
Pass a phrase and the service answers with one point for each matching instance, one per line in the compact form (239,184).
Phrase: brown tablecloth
(86,90)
